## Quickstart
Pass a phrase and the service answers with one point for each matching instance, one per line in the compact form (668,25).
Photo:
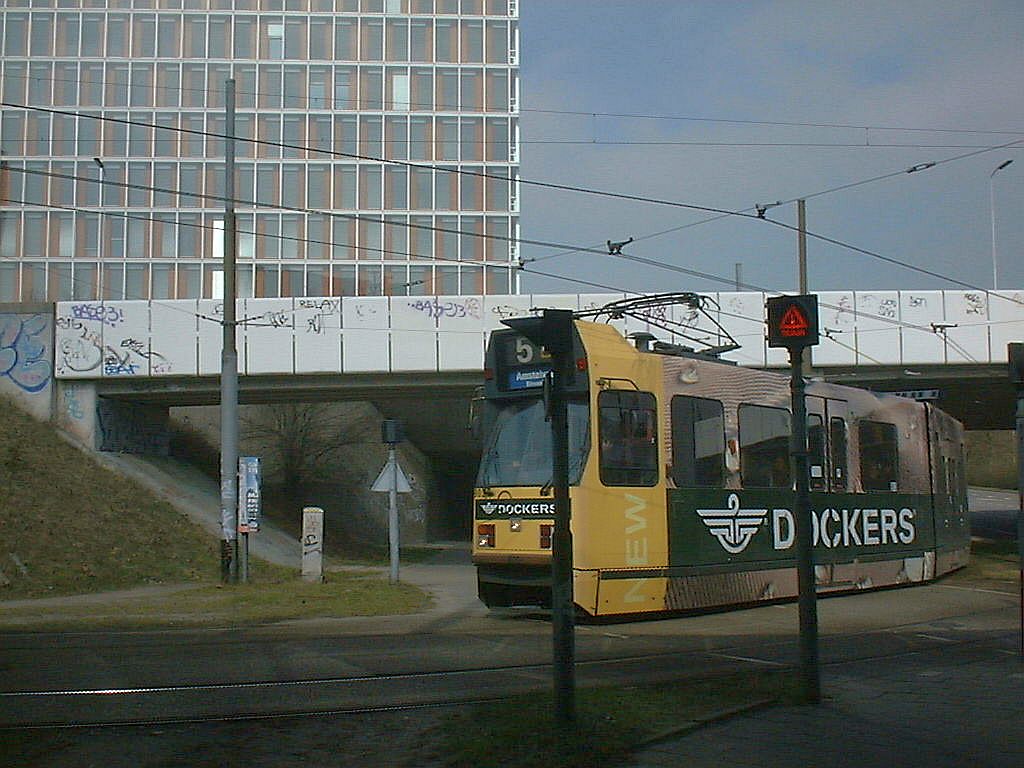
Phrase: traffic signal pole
(793,324)
(808,598)
(554,331)
(562,606)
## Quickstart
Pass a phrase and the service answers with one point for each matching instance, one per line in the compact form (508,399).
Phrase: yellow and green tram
(680,482)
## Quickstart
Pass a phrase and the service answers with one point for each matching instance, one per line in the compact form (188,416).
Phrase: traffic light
(793,321)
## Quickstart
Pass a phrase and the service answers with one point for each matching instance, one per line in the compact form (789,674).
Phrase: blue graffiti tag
(23,357)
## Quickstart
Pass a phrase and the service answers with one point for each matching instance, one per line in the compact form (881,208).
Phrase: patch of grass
(272,594)
(991,561)
(69,526)
(610,723)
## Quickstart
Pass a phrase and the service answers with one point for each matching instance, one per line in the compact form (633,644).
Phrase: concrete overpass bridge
(429,350)
(420,358)
(109,372)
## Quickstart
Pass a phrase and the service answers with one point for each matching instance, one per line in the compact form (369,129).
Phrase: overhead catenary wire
(613,289)
(359,103)
(550,185)
(637,259)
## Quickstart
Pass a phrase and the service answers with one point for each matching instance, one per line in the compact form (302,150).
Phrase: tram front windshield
(518,450)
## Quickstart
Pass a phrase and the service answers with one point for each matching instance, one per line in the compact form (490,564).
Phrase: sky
(681,100)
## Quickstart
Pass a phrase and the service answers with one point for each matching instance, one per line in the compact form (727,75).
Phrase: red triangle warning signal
(794,323)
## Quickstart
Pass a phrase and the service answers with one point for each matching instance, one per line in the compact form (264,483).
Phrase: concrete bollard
(312,544)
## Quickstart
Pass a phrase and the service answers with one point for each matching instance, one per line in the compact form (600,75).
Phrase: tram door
(827,444)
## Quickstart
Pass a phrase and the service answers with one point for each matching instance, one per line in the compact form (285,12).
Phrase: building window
(628,438)
(698,442)
(764,447)
(275,41)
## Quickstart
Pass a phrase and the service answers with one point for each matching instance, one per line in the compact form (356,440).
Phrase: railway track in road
(363,694)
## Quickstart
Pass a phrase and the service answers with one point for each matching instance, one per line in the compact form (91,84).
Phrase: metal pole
(393,513)
(801,221)
(992,210)
(804,543)
(229,363)
(564,640)
(739,276)
(99,249)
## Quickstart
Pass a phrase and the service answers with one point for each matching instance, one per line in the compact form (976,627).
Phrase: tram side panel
(949,491)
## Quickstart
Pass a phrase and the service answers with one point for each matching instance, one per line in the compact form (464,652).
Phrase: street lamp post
(992,209)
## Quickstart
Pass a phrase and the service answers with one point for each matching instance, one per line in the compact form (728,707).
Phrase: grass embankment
(69,526)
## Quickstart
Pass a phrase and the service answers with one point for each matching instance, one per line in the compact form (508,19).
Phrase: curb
(713,718)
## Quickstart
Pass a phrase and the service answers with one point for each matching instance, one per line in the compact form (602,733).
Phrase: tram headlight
(485,535)
(515,524)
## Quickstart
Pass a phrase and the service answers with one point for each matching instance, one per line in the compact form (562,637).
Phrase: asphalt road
(994,513)
(460,652)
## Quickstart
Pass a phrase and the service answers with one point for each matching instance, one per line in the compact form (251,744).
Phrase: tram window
(837,452)
(816,451)
(764,447)
(628,435)
(698,441)
(879,456)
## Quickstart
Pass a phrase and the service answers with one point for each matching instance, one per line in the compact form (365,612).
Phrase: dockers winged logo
(488,507)
(733,527)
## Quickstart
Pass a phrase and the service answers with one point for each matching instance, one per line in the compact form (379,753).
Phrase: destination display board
(519,363)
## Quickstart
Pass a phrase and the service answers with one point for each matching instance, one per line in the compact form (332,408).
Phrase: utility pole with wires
(801,225)
(229,362)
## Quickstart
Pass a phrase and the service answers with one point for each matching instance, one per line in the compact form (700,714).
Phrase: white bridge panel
(923,315)
(365,312)
(498,308)
(174,338)
(836,326)
(78,351)
(126,349)
(878,327)
(211,336)
(461,350)
(461,338)
(318,335)
(742,315)
(414,350)
(365,350)
(1006,314)
(269,335)
(967,336)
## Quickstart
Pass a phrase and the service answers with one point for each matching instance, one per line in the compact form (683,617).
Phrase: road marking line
(747,658)
(937,637)
(976,589)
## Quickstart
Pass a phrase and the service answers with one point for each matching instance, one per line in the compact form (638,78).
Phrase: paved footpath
(960,705)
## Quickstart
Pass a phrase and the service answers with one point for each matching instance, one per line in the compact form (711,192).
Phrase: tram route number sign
(523,363)
(793,321)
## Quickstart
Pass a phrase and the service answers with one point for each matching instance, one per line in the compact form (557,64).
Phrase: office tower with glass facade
(377,147)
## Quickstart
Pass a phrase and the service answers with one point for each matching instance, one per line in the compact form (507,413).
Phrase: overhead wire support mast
(230,554)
